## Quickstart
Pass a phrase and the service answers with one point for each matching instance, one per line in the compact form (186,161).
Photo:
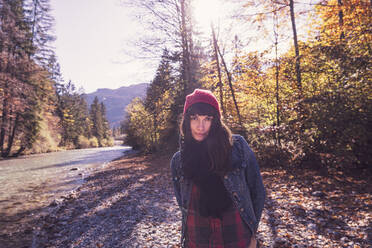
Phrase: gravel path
(131,204)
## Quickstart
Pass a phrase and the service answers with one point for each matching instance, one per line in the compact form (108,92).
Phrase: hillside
(116,100)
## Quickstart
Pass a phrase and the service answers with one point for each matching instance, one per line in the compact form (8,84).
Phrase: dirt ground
(131,204)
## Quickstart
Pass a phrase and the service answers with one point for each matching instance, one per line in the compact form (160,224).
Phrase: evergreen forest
(39,112)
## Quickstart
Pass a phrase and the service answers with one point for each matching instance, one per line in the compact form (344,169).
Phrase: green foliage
(156,114)
(73,113)
(100,127)
(81,129)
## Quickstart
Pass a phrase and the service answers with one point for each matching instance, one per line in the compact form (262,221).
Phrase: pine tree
(159,100)
(19,76)
(73,112)
(97,120)
(106,127)
(41,23)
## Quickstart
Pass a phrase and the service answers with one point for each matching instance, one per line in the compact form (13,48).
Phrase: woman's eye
(209,118)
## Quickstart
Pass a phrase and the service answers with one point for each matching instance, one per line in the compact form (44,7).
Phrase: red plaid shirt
(208,232)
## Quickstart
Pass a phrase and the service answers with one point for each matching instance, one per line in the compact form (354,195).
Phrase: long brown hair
(218,141)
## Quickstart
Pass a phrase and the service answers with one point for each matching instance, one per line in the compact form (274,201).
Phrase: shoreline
(60,149)
(21,215)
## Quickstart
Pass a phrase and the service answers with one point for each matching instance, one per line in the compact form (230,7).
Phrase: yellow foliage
(83,142)
(48,138)
(93,142)
(356,19)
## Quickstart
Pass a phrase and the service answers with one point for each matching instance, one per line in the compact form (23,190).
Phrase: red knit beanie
(204,96)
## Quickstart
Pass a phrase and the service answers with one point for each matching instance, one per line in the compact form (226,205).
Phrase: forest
(309,104)
(308,101)
(39,112)
(292,77)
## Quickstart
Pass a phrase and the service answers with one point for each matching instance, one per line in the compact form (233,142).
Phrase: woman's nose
(200,125)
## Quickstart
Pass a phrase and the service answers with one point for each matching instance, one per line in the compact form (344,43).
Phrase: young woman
(216,178)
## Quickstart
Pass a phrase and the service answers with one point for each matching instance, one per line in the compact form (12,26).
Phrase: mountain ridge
(116,100)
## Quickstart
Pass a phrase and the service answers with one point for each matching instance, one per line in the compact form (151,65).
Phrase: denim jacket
(244,184)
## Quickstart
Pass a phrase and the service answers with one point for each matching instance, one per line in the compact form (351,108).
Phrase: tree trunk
(297,52)
(277,68)
(185,51)
(12,135)
(4,120)
(218,70)
(232,91)
(20,150)
(341,20)
(155,142)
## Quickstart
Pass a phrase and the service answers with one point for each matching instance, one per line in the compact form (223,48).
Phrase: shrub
(83,142)
(107,142)
(93,142)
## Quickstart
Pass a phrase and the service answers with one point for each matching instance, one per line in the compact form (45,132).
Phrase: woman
(216,178)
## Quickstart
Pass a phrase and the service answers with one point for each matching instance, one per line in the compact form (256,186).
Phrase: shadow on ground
(102,213)
(307,207)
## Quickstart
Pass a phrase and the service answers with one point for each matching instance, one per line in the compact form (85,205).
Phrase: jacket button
(225,176)
(242,209)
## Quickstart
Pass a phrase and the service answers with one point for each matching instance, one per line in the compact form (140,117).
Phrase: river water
(30,183)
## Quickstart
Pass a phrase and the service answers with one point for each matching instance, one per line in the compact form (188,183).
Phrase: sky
(90,46)
(92,38)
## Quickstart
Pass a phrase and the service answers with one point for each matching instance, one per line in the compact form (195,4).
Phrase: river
(30,183)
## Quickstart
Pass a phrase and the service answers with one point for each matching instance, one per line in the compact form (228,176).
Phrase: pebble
(318,194)
(131,204)
(312,226)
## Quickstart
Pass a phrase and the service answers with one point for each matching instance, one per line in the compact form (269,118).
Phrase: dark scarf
(214,198)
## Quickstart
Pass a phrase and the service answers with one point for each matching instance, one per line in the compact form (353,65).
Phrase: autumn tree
(156,110)
(308,100)
(138,116)
(24,84)
(341,56)
(13,57)
(158,102)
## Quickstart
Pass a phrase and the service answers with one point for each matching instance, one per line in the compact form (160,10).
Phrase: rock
(312,226)
(318,194)
(344,239)
(299,211)
(280,242)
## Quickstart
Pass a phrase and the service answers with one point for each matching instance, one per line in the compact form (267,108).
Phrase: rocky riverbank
(131,204)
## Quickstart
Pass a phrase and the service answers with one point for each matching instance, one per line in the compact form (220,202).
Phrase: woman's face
(200,126)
